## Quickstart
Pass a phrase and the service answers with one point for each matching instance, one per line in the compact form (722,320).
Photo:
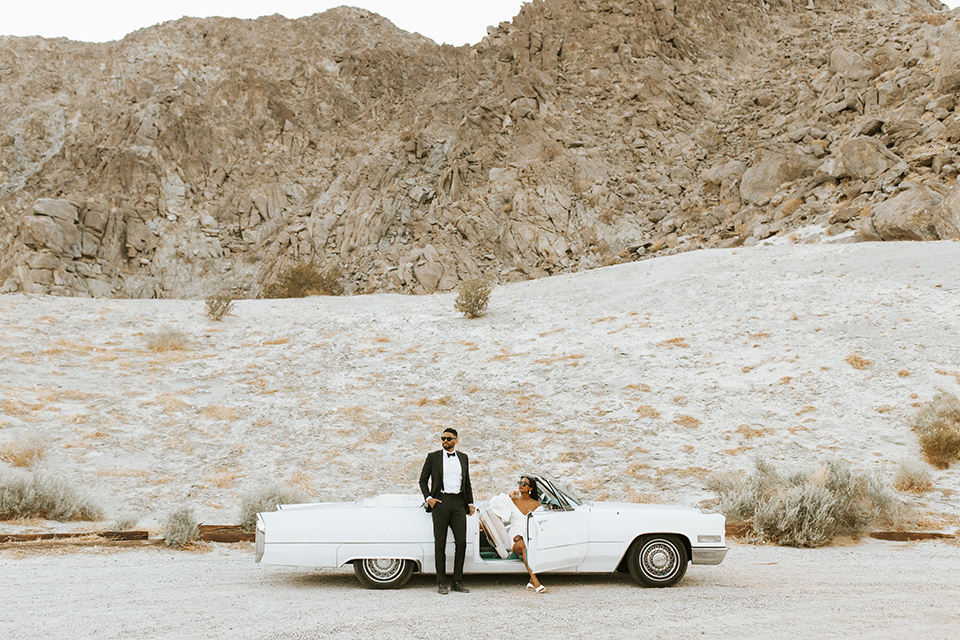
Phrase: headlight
(708,539)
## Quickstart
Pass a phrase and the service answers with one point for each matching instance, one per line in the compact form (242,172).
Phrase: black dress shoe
(458,587)
(442,588)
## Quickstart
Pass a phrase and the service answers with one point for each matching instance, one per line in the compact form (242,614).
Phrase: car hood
(639,508)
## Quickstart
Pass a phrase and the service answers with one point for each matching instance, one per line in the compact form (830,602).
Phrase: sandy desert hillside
(201,155)
(632,381)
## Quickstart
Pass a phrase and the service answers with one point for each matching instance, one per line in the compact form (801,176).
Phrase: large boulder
(59,210)
(52,227)
(761,181)
(724,179)
(851,66)
(947,219)
(948,75)
(910,215)
(862,158)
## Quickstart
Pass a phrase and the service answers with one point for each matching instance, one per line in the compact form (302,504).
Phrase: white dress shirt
(452,473)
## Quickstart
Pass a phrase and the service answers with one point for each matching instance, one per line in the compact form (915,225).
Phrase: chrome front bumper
(708,556)
(260,542)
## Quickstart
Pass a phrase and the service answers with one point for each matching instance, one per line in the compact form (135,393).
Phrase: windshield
(551,494)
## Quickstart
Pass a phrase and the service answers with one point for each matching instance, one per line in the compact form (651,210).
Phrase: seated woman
(513,510)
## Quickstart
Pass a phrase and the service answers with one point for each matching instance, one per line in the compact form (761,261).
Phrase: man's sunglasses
(445,438)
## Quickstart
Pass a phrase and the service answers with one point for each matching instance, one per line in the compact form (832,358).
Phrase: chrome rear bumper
(708,556)
(260,544)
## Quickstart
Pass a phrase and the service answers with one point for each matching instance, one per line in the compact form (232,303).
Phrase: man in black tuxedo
(445,485)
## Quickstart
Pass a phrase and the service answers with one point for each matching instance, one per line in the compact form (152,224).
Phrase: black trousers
(450,512)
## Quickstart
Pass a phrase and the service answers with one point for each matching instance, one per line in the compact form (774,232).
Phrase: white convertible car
(389,537)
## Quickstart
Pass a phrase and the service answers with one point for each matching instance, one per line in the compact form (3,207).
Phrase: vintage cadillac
(389,537)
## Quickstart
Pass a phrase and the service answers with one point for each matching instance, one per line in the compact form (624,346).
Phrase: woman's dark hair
(534,492)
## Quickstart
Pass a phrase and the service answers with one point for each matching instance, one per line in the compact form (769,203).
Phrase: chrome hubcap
(383,569)
(659,559)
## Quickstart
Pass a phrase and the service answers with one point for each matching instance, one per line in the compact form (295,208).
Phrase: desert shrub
(913,475)
(790,206)
(219,306)
(474,296)
(167,339)
(305,279)
(23,453)
(937,424)
(941,447)
(806,508)
(266,498)
(32,494)
(180,528)
(125,522)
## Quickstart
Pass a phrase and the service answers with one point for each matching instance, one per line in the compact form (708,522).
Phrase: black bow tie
(450,455)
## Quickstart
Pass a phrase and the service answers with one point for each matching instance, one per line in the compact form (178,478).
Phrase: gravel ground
(872,589)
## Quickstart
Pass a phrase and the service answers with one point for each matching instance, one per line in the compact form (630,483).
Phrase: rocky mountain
(205,155)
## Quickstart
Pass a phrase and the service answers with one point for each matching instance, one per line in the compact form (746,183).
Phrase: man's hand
(471,510)
(433,502)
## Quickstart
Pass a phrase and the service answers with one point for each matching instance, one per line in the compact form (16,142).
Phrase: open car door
(556,532)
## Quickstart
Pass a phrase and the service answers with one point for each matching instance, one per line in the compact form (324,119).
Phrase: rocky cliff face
(204,155)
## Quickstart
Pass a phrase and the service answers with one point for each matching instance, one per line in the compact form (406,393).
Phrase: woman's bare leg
(520,549)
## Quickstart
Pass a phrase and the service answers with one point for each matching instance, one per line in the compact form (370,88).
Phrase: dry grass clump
(808,507)
(125,522)
(646,411)
(180,528)
(750,432)
(935,19)
(167,339)
(14,408)
(937,424)
(941,447)
(266,498)
(305,279)
(687,421)
(23,453)
(641,497)
(219,306)
(913,475)
(857,361)
(223,478)
(473,297)
(220,412)
(674,342)
(32,494)
(790,206)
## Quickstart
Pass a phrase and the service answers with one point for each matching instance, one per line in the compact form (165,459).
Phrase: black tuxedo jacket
(431,478)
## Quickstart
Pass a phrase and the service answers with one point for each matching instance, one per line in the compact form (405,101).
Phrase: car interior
(495,541)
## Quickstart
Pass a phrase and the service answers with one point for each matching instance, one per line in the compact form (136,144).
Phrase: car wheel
(383,573)
(657,561)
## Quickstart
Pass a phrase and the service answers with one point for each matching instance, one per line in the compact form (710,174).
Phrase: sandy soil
(633,382)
